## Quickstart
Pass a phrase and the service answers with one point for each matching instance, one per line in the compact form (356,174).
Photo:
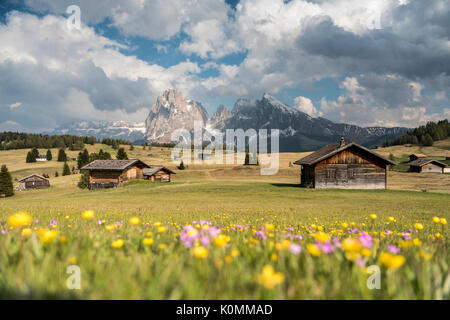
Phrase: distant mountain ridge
(100,129)
(298,130)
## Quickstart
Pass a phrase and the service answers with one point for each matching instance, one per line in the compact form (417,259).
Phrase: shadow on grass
(33,294)
(291,185)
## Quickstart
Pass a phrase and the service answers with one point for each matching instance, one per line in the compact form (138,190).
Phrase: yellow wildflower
(26,232)
(117,243)
(418,226)
(161,229)
(435,219)
(200,252)
(221,240)
(87,214)
(134,221)
(391,261)
(19,219)
(147,241)
(417,242)
(269,278)
(373,216)
(313,249)
(47,236)
(443,221)
(321,236)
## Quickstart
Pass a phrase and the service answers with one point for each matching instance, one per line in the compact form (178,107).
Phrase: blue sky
(317,56)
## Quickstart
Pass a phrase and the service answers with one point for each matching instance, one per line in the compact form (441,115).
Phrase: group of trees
(423,135)
(15,140)
(115,143)
(34,153)
(85,158)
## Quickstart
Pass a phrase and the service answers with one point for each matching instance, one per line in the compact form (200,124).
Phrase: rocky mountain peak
(173,111)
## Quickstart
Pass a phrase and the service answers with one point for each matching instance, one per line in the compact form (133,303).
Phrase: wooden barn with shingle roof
(158,173)
(344,165)
(113,173)
(427,165)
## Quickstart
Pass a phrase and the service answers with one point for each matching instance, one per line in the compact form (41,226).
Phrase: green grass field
(224,232)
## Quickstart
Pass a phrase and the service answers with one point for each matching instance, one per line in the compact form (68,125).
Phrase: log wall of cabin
(431,167)
(119,177)
(350,169)
(35,183)
(160,176)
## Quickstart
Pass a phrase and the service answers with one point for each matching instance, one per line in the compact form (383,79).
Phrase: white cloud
(15,105)
(306,105)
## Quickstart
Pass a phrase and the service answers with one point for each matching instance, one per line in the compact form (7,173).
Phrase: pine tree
(49,155)
(66,170)
(34,154)
(30,157)
(247,159)
(62,157)
(428,140)
(121,154)
(84,180)
(6,184)
(56,174)
(131,147)
(83,159)
(181,166)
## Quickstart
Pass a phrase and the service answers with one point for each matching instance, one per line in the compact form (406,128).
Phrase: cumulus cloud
(396,55)
(367,101)
(306,105)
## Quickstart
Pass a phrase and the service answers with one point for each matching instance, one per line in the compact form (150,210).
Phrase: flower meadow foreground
(136,257)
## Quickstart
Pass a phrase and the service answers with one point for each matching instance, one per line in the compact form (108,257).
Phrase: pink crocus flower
(261,234)
(393,249)
(295,248)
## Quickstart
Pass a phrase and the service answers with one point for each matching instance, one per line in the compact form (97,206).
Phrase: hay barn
(344,165)
(158,173)
(34,181)
(427,165)
(113,173)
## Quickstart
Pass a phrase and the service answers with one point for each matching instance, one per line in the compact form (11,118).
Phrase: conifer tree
(6,184)
(66,170)
(121,154)
(62,157)
(84,180)
(49,155)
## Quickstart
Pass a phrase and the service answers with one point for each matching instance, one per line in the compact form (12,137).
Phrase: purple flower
(366,240)
(295,248)
(393,249)
(204,241)
(360,262)
(291,229)
(99,222)
(325,247)
(36,220)
(214,231)
(53,222)
(4,231)
(261,235)
(406,236)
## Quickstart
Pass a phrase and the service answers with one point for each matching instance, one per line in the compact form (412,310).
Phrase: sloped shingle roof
(333,149)
(423,161)
(33,175)
(113,165)
(154,169)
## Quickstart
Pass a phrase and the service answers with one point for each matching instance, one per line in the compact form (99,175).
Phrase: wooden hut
(427,165)
(34,181)
(416,156)
(113,173)
(344,165)
(157,173)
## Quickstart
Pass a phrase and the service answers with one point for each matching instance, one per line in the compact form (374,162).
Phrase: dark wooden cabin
(113,173)
(427,165)
(344,165)
(33,181)
(416,156)
(158,173)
